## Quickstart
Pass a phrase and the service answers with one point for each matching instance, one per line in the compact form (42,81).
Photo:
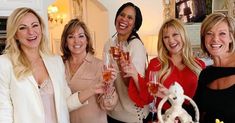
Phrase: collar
(89,57)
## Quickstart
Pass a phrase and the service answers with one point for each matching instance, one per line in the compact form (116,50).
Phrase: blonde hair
(21,64)
(188,58)
(213,20)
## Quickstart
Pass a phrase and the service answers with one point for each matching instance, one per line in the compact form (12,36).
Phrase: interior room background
(99,16)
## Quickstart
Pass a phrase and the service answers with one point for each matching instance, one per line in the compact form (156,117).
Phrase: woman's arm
(6,107)
(141,96)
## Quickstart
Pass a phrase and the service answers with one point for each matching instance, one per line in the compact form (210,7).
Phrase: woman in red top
(175,62)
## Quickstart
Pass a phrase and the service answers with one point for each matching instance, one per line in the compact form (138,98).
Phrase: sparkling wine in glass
(115,50)
(153,89)
(107,61)
(107,64)
(106,76)
(153,83)
(126,56)
(124,52)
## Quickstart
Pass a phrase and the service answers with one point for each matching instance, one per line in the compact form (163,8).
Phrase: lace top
(47,94)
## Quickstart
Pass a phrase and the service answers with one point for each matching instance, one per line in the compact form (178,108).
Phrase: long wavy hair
(213,20)
(187,55)
(70,28)
(21,64)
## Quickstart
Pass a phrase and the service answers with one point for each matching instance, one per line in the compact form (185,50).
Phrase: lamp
(150,42)
(54,16)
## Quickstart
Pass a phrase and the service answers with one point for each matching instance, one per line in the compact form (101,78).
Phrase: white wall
(152,11)
(97,22)
(100,15)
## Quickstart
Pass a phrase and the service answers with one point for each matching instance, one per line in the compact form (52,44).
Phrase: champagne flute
(107,65)
(125,56)
(153,89)
(124,52)
(107,61)
(115,51)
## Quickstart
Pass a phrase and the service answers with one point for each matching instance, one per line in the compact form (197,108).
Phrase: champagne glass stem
(155,102)
(153,116)
(154,109)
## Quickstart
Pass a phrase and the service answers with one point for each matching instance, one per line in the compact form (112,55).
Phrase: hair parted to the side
(213,20)
(138,19)
(187,54)
(70,28)
(20,63)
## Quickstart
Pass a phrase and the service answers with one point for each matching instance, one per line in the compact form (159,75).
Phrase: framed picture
(232,4)
(190,10)
(77,9)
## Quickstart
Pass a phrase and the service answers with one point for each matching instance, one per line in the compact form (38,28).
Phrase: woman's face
(29,32)
(125,21)
(77,41)
(172,40)
(217,39)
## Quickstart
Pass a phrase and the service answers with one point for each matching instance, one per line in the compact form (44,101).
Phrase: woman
(83,70)
(216,86)
(127,22)
(175,63)
(33,88)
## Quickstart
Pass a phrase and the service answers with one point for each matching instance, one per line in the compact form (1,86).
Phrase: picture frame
(77,9)
(190,11)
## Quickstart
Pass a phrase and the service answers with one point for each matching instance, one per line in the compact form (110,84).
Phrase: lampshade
(150,42)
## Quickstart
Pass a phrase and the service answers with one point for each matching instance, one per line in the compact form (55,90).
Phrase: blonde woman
(174,63)
(33,88)
(216,85)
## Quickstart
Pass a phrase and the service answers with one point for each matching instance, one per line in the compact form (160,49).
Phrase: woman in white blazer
(33,88)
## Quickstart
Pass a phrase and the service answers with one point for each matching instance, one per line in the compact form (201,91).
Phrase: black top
(216,103)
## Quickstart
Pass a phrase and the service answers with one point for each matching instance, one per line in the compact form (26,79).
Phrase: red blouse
(185,77)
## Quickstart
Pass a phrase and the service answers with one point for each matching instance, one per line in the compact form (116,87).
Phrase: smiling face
(77,41)
(217,39)
(172,40)
(125,21)
(29,32)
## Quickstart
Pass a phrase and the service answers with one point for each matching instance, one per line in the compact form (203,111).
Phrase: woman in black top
(215,94)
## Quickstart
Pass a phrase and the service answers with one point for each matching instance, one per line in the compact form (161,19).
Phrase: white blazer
(20,100)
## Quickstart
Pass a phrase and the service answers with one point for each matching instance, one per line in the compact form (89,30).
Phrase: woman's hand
(109,103)
(113,76)
(128,68)
(97,88)
(162,91)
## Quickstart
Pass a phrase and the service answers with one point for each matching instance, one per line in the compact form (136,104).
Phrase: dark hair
(69,28)
(138,19)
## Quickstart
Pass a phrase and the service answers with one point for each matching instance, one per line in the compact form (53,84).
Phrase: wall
(56,28)
(40,6)
(151,11)
(95,15)
(99,16)
(97,21)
